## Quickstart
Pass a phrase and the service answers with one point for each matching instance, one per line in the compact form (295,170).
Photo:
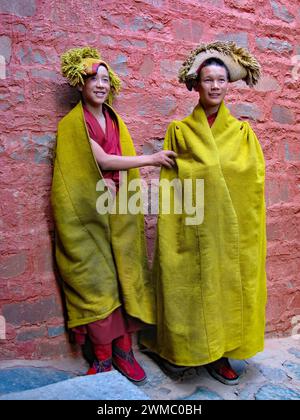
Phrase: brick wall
(145,41)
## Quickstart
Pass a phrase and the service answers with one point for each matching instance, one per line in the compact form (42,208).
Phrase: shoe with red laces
(99,366)
(223,372)
(126,363)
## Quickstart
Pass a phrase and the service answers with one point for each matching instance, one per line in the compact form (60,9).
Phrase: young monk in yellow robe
(210,276)
(101,256)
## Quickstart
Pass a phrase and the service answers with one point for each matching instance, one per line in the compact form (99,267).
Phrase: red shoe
(100,366)
(126,363)
(223,372)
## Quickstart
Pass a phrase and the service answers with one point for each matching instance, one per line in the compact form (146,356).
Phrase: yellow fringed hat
(240,63)
(79,62)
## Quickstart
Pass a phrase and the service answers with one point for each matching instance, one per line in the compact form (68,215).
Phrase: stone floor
(271,375)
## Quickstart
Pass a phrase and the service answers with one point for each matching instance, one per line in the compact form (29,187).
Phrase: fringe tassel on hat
(73,69)
(238,54)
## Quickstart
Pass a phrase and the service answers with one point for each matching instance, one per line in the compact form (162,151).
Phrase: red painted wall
(145,41)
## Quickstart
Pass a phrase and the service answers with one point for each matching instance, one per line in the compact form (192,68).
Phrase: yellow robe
(101,258)
(210,278)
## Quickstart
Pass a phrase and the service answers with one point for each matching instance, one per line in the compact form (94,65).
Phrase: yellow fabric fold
(102,259)
(210,278)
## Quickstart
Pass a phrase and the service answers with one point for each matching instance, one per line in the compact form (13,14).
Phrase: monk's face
(96,88)
(212,85)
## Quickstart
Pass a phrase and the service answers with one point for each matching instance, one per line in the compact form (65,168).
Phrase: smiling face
(96,88)
(212,86)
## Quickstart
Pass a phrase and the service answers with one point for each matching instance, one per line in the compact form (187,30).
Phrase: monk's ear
(196,85)
(79,87)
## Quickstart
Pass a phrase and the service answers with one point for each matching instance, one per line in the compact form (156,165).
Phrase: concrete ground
(271,375)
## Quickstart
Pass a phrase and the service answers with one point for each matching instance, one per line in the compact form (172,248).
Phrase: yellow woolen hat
(79,62)
(240,63)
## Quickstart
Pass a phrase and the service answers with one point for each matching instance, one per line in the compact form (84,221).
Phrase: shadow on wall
(66,97)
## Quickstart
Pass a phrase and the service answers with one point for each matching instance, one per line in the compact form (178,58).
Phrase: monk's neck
(97,111)
(211,111)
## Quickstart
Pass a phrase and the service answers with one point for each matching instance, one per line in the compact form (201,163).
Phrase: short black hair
(216,62)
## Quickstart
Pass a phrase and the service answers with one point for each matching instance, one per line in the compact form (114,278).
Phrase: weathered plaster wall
(145,41)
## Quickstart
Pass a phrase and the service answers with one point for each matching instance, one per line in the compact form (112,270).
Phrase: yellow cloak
(102,258)
(210,278)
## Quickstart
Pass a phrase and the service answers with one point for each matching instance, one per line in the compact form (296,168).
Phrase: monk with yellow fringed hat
(101,256)
(209,271)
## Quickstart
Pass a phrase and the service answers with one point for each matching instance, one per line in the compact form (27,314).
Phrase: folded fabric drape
(101,257)
(210,278)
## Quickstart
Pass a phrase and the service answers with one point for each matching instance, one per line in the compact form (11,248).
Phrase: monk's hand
(164,158)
